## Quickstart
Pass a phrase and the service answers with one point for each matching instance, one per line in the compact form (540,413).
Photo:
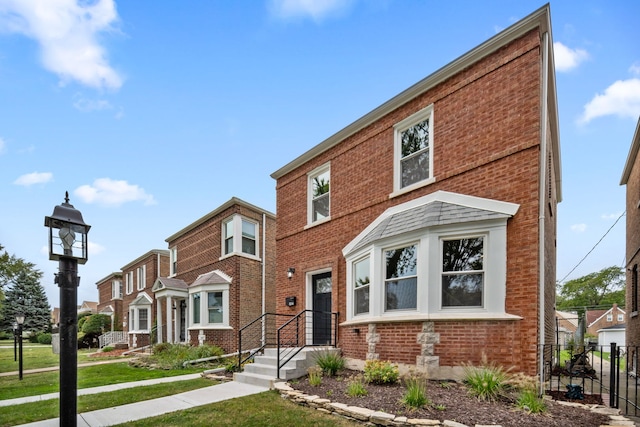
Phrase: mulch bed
(453,402)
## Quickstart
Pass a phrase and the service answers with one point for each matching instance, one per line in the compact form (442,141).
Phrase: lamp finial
(66,197)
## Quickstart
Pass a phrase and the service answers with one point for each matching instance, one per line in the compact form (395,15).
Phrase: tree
(27,295)
(602,288)
(11,266)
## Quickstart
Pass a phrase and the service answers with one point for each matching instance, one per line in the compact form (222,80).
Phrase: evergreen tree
(27,295)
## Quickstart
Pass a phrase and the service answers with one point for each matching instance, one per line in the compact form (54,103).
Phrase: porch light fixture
(290,272)
(20,322)
(68,246)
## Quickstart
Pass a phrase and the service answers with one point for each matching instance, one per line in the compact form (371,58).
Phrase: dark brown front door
(321,286)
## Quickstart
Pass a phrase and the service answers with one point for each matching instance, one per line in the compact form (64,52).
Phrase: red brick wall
(486,144)
(633,249)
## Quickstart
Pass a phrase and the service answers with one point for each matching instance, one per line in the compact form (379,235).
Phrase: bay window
(361,286)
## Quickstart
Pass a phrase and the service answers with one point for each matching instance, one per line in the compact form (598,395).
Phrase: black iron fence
(594,373)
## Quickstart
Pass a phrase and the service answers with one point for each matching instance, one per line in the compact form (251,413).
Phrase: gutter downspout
(264,285)
(542,195)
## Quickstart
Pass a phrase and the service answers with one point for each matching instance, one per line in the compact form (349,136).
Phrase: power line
(594,246)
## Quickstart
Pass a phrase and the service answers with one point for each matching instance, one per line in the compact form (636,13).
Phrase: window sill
(318,222)
(430,317)
(412,187)
(634,314)
(241,254)
(142,331)
(209,327)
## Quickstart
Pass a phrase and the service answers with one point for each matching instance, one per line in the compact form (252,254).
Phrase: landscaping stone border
(384,419)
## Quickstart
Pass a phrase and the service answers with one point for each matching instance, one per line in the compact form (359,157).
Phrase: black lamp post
(15,341)
(68,246)
(20,321)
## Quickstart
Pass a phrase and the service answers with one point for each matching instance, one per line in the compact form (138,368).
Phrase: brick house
(221,276)
(429,223)
(631,178)
(110,297)
(138,299)
(599,319)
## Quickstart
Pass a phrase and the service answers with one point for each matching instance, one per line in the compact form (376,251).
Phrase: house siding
(633,240)
(486,131)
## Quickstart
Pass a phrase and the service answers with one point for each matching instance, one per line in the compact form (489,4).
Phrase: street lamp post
(68,246)
(15,341)
(20,321)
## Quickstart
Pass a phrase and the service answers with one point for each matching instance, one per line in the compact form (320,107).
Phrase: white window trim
(429,270)
(141,275)
(204,308)
(237,238)
(317,171)
(116,289)
(397,151)
(620,317)
(609,317)
(134,315)
(129,283)
(173,259)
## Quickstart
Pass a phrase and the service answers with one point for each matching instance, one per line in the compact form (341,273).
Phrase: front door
(321,288)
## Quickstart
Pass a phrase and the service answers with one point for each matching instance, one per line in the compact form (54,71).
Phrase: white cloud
(314,9)
(635,69)
(86,105)
(66,31)
(109,192)
(611,217)
(567,59)
(578,228)
(621,99)
(34,178)
(95,248)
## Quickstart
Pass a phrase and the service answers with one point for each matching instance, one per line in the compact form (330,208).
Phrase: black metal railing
(257,335)
(604,371)
(307,329)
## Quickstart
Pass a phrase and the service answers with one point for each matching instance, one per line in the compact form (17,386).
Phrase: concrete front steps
(263,370)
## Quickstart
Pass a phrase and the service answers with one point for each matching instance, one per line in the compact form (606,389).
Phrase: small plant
(107,349)
(440,407)
(416,394)
(356,387)
(446,384)
(522,382)
(529,401)
(315,375)
(330,361)
(231,365)
(485,382)
(329,393)
(380,372)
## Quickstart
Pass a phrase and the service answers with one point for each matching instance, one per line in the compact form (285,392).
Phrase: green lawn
(263,409)
(36,356)
(47,409)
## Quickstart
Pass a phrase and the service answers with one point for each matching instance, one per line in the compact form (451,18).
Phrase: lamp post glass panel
(20,322)
(68,246)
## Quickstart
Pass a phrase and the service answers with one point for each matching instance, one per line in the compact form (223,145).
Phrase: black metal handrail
(288,338)
(258,335)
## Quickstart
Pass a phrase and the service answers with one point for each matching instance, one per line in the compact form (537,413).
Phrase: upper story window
(462,272)
(128,280)
(116,289)
(319,194)
(413,148)
(173,261)
(609,317)
(620,317)
(240,237)
(142,277)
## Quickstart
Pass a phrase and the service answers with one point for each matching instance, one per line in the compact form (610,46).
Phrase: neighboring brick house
(566,327)
(600,319)
(429,224)
(221,276)
(88,307)
(110,297)
(631,178)
(138,299)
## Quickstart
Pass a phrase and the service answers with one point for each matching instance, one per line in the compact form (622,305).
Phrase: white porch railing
(109,338)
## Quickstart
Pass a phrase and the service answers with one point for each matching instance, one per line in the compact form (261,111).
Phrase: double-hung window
(240,237)
(361,281)
(463,272)
(401,278)
(173,261)
(195,304)
(116,289)
(142,277)
(413,140)
(215,307)
(319,194)
(128,279)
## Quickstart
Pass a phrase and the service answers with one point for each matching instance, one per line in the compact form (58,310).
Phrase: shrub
(356,387)
(380,372)
(416,394)
(161,347)
(107,349)
(485,382)
(4,335)
(529,401)
(330,361)
(315,375)
(44,338)
(33,338)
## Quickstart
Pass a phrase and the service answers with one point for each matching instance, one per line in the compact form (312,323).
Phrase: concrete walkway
(146,408)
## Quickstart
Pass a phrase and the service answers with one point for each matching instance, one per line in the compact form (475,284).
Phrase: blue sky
(153,113)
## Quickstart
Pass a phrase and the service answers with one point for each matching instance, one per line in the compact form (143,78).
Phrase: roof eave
(633,153)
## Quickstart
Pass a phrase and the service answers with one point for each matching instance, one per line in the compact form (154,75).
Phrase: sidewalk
(147,408)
